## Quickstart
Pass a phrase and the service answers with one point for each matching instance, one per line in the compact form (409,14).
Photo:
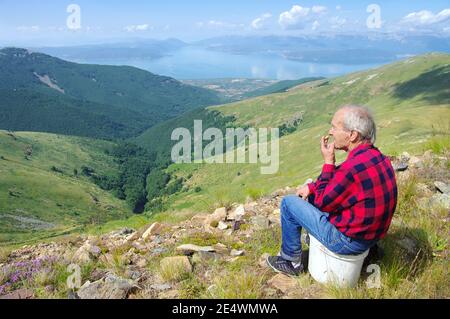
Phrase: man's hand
(327,151)
(303,192)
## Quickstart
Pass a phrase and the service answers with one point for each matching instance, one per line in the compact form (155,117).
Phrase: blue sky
(44,21)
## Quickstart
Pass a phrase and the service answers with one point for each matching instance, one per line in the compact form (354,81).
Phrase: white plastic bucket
(328,267)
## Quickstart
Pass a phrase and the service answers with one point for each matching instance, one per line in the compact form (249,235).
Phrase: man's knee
(288,199)
(291,201)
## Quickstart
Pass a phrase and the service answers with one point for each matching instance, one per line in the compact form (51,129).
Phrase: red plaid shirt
(360,194)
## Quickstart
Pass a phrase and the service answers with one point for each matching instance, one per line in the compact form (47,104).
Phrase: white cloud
(294,18)
(426,17)
(299,17)
(319,9)
(258,23)
(315,25)
(139,27)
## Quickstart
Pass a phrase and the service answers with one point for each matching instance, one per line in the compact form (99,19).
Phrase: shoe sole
(279,271)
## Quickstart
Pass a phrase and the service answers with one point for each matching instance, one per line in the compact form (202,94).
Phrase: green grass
(55,202)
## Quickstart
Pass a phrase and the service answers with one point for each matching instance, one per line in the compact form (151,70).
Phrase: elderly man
(350,206)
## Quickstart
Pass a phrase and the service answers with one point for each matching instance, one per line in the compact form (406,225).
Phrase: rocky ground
(215,255)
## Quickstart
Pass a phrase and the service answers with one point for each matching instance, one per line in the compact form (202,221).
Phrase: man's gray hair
(360,119)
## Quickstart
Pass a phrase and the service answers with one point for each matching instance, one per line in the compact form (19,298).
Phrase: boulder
(283,283)
(423,190)
(219,215)
(238,214)
(442,187)
(86,253)
(442,200)
(161,287)
(220,248)
(416,162)
(23,293)
(222,225)
(236,253)
(153,229)
(110,287)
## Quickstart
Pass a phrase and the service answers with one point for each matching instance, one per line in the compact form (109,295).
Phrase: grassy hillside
(410,100)
(279,87)
(115,101)
(42,195)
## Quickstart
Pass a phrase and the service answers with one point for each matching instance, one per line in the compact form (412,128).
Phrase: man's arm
(334,187)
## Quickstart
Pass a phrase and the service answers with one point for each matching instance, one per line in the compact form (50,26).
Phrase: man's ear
(354,136)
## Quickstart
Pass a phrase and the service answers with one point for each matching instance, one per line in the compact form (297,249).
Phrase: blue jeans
(296,214)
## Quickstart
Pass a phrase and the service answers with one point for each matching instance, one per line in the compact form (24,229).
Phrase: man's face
(340,134)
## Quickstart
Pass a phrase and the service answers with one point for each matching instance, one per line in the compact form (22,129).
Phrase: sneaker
(284,266)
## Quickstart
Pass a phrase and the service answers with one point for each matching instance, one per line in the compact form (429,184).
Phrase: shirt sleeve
(324,177)
(332,188)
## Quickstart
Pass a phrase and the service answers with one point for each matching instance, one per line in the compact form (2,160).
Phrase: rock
(97,274)
(442,187)
(189,249)
(158,251)
(400,166)
(139,246)
(423,190)
(260,222)
(221,248)
(86,253)
(158,240)
(177,266)
(161,287)
(283,283)
(170,294)
(124,232)
(23,293)
(263,260)
(442,200)
(416,162)
(236,253)
(154,229)
(72,295)
(405,156)
(110,287)
(238,214)
(133,274)
(219,215)
(222,225)
(204,256)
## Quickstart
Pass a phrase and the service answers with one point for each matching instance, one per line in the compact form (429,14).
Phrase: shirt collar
(358,149)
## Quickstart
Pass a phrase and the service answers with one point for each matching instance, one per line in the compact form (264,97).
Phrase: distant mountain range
(42,93)
(342,49)
(149,49)
(334,48)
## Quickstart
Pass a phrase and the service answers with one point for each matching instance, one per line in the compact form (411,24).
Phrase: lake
(198,63)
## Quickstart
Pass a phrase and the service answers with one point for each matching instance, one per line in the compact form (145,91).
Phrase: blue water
(198,63)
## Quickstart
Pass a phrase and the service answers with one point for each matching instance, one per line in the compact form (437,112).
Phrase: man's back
(360,194)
